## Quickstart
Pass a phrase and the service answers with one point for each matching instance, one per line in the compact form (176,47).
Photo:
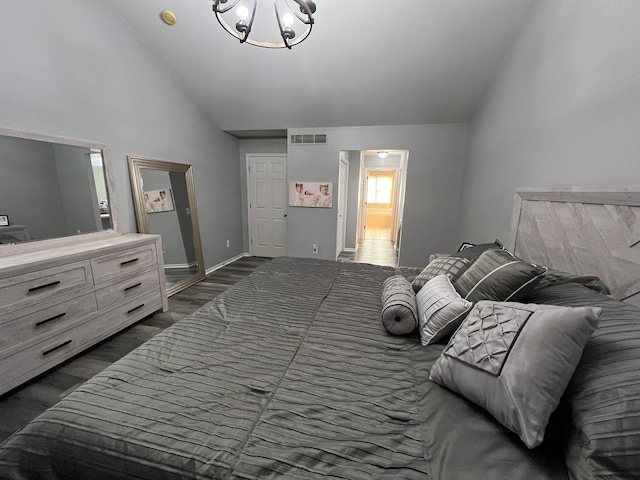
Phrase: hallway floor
(376,248)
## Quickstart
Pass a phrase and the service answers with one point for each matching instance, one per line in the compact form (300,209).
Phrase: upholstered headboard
(582,230)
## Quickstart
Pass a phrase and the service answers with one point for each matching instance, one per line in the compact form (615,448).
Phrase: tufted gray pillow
(440,309)
(498,275)
(515,360)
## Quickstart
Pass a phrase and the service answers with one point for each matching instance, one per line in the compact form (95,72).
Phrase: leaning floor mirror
(165,203)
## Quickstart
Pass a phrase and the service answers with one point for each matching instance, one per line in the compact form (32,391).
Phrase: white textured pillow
(515,360)
(440,309)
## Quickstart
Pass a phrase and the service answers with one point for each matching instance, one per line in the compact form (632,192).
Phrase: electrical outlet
(228,244)
(315,249)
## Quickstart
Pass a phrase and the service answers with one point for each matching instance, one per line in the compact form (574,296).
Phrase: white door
(343,176)
(267,192)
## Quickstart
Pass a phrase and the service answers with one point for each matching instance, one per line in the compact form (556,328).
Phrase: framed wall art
(311,194)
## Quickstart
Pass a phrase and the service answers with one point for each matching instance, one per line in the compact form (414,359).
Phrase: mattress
(288,374)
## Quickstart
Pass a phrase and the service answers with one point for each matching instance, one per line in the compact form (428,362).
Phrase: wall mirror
(165,203)
(52,187)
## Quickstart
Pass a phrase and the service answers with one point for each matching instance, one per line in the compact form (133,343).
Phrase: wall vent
(309,139)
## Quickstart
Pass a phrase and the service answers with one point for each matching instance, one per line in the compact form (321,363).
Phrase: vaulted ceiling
(367,62)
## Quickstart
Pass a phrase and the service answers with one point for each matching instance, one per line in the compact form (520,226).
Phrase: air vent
(309,139)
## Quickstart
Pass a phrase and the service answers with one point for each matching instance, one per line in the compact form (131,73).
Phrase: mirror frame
(136,164)
(35,245)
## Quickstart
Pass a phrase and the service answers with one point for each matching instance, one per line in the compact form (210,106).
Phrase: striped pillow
(450,265)
(498,275)
(440,309)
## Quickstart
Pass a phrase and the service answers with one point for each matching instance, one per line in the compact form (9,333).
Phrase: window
(379,189)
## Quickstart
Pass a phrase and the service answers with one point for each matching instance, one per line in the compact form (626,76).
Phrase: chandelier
(289,16)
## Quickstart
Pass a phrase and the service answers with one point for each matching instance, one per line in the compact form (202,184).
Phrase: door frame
(246,169)
(342,182)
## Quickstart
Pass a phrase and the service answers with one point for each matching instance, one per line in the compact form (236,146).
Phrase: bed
(291,374)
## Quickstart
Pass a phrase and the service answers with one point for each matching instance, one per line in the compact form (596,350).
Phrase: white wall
(434,175)
(73,68)
(563,110)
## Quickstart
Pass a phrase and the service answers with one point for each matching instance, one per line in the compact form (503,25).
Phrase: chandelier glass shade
(293,19)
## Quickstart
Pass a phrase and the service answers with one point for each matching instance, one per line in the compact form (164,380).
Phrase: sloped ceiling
(367,62)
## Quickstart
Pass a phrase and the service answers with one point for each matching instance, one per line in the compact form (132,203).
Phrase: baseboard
(350,250)
(180,265)
(226,262)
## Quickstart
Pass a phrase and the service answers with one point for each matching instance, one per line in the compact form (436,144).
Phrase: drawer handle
(42,322)
(52,284)
(134,260)
(134,309)
(51,350)
(132,286)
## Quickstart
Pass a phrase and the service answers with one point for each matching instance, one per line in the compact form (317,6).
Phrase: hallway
(376,248)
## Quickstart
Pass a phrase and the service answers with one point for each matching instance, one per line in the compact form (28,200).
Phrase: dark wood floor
(23,404)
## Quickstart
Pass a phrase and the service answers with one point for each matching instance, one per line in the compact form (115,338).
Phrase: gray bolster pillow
(399,312)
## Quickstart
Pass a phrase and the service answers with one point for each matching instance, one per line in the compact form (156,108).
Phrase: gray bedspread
(288,374)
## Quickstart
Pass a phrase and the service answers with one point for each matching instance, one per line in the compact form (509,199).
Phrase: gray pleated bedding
(604,393)
(288,374)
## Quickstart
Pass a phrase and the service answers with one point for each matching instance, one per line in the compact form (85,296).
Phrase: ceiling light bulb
(287,19)
(383,154)
(242,12)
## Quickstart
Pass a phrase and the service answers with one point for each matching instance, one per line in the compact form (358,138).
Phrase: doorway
(267,203)
(380,182)
(381,207)
(380,204)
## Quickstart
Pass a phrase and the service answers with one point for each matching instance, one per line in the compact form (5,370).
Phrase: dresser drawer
(25,363)
(115,293)
(19,365)
(130,312)
(27,289)
(109,267)
(29,323)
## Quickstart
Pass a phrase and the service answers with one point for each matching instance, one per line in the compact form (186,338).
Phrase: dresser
(59,301)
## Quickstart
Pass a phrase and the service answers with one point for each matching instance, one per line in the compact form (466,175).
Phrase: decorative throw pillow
(498,275)
(399,312)
(558,277)
(515,360)
(472,253)
(452,266)
(440,309)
